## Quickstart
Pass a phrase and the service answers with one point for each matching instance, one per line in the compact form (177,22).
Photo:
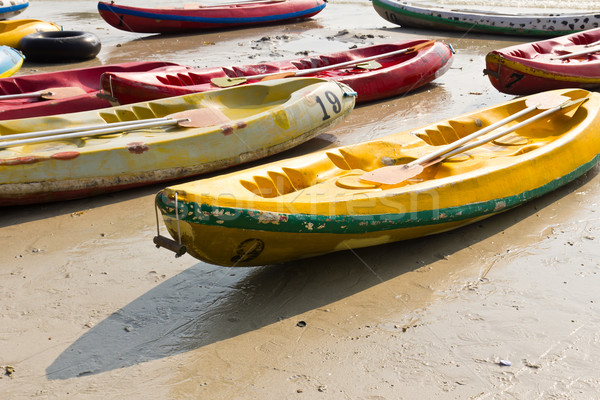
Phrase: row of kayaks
(375,72)
(195,16)
(198,16)
(175,121)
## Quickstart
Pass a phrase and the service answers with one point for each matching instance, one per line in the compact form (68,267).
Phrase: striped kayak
(60,92)
(439,18)
(407,67)
(12,31)
(328,201)
(9,9)
(194,17)
(11,61)
(570,61)
(81,154)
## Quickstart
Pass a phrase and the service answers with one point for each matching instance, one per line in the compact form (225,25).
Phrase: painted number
(391,17)
(336,106)
(517,77)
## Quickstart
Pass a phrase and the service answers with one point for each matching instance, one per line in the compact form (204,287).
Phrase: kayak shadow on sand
(206,304)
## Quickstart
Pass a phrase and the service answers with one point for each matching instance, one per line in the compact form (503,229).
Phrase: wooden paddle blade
(392,175)
(227,82)
(200,118)
(369,65)
(280,75)
(61,92)
(546,100)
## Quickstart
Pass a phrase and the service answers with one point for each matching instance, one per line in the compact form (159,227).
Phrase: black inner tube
(57,46)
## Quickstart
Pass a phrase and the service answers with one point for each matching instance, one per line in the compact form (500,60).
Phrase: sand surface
(91,309)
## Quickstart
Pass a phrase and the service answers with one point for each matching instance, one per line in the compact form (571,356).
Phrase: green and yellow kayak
(80,154)
(332,200)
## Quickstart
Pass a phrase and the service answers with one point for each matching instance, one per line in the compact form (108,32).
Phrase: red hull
(193,17)
(398,74)
(530,68)
(86,78)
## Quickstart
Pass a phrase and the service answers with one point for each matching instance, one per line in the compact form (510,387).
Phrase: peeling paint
(21,160)
(227,129)
(500,205)
(65,155)
(137,147)
(269,218)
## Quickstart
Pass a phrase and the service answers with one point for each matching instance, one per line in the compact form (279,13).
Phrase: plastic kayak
(193,17)
(563,62)
(407,68)
(11,61)
(440,18)
(60,92)
(9,9)
(12,31)
(81,154)
(322,202)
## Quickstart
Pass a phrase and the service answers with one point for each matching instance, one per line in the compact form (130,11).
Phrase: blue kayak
(11,8)
(10,61)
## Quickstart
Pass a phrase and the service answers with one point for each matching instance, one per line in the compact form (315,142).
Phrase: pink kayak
(61,91)
(399,68)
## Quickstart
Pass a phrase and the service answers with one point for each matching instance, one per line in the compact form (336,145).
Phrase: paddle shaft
(432,156)
(113,128)
(578,53)
(311,71)
(24,95)
(501,133)
(61,131)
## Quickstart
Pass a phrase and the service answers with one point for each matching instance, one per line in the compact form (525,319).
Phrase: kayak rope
(110,85)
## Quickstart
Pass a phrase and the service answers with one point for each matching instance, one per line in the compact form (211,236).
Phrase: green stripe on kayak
(238,218)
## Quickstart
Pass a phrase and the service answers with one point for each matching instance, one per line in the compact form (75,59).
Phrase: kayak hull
(196,17)
(87,79)
(438,18)
(317,203)
(398,74)
(232,126)
(534,67)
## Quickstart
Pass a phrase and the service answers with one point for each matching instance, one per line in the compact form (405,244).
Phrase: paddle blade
(369,65)
(280,75)
(61,92)
(200,118)
(392,175)
(228,82)
(546,100)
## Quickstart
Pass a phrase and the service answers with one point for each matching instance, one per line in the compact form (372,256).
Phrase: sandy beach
(504,308)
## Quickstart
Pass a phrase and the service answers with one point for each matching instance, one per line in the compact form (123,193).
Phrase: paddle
(395,174)
(227,81)
(197,118)
(497,135)
(47,94)
(578,53)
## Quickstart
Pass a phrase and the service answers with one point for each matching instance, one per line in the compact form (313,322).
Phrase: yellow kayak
(75,155)
(12,31)
(406,185)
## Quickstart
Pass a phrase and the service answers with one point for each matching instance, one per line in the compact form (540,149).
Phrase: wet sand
(91,309)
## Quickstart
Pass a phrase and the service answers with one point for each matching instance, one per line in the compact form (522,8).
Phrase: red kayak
(193,17)
(394,68)
(570,61)
(61,91)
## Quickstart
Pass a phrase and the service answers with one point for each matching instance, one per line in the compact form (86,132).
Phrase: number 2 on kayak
(333,100)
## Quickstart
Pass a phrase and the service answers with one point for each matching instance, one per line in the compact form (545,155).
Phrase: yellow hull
(316,203)
(252,122)
(11,32)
